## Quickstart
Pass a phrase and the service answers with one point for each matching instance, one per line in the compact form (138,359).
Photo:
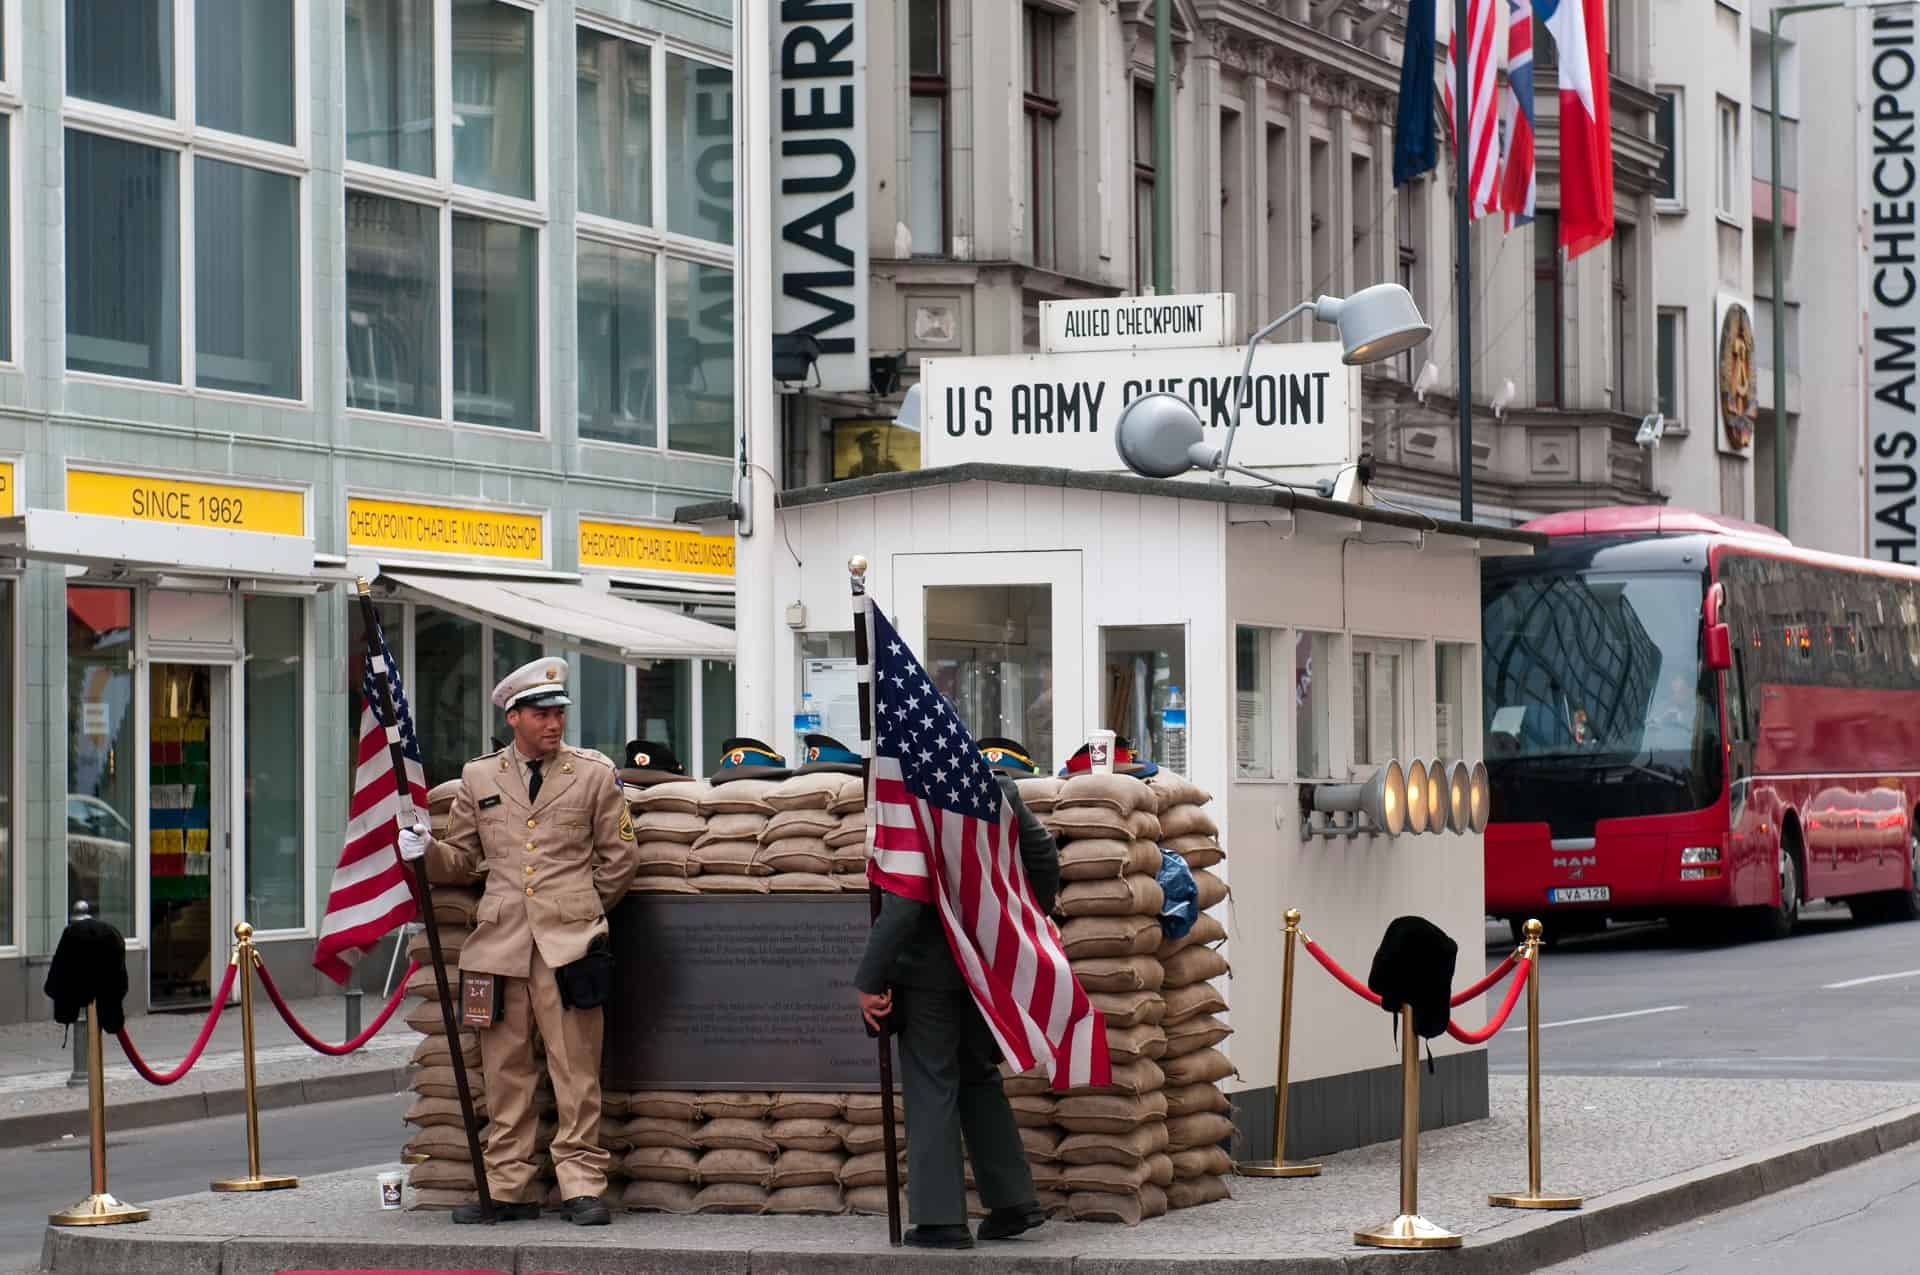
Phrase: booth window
(9,812)
(600,707)
(1253,702)
(1378,691)
(828,673)
(448,693)
(990,651)
(100,753)
(1312,705)
(1453,668)
(275,764)
(1145,668)
(664,700)
(716,712)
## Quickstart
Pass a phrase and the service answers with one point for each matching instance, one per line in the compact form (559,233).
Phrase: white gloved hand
(414,842)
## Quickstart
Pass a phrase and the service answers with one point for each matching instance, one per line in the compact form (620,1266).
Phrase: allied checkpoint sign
(1888,94)
(1301,406)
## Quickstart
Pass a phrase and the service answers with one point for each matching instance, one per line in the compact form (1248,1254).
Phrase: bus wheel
(1894,905)
(1777,920)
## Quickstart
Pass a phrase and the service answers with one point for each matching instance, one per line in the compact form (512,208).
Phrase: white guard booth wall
(1250,582)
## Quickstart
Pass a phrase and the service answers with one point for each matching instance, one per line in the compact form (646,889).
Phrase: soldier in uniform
(545,826)
(948,1058)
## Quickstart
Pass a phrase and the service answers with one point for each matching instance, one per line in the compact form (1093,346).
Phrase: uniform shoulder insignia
(592,755)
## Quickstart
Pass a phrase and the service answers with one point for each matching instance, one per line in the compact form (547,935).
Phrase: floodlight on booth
(1479,799)
(1436,796)
(1382,799)
(1416,796)
(1459,798)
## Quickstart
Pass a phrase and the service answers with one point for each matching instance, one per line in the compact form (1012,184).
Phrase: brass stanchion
(1533,1197)
(246,956)
(99,1208)
(1278,1166)
(1409,1230)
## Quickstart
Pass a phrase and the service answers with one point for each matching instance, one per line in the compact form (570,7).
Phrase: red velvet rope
(1347,980)
(153,1077)
(1492,1029)
(1500,971)
(314,1042)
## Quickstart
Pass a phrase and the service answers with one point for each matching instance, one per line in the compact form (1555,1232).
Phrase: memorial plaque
(738,991)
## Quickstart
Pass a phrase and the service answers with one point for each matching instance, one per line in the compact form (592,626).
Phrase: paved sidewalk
(1647,1153)
(37,1104)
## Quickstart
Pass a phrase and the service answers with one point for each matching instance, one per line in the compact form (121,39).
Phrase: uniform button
(532,824)
(529,869)
(529,845)
(529,892)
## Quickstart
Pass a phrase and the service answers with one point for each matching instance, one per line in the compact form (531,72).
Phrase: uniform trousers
(952,1089)
(572,1038)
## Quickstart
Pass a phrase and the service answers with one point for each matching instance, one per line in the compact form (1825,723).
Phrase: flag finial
(857,566)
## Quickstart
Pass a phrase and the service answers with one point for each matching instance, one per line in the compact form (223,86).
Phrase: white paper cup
(1100,752)
(392,1189)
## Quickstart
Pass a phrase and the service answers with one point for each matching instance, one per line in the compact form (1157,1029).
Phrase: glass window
(121,54)
(389,103)
(717,712)
(1376,702)
(700,149)
(1666,131)
(275,762)
(616,334)
(1546,308)
(9,812)
(613,79)
(1313,707)
(663,691)
(495,323)
(1453,669)
(1729,156)
(100,753)
(1042,106)
(1672,356)
(123,258)
(1143,177)
(493,97)
(927,127)
(243,74)
(699,358)
(447,695)
(6,238)
(246,278)
(393,305)
(990,651)
(1145,696)
(1253,702)
(600,707)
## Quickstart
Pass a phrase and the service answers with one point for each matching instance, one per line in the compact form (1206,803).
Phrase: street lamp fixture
(1160,435)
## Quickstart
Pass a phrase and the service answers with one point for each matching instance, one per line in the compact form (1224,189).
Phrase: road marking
(1607,1018)
(1871,978)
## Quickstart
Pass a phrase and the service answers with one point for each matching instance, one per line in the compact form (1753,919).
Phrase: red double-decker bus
(1687,714)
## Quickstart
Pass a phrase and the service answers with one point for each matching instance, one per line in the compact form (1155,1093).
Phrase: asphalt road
(1836,1001)
(1857,1220)
(149,1164)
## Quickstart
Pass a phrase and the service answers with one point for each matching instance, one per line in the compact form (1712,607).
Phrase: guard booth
(1310,641)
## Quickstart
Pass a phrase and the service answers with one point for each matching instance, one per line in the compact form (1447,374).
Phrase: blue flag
(1415,148)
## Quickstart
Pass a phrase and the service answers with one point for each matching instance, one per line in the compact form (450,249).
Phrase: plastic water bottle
(805,722)
(1173,724)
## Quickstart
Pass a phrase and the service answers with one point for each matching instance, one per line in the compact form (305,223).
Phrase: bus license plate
(1579,894)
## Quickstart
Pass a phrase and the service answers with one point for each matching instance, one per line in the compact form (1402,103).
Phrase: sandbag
(869,1168)
(455,906)
(1202,1031)
(799,823)
(1188,821)
(1075,823)
(439,1142)
(1143,857)
(1116,896)
(1107,1206)
(1120,793)
(663,859)
(662,885)
(848,881)
(1195,1099)
(738,797)
(1184,1133)
(1213,891)
(1108,1113)
(865,1109)
(1205,1066)
(1108,1148)
(432,1051)
(1194,965)
(730,883)
(808,1133)
(735,827)
(1186,1193)
(665,1104)
(427,1112)
(807,1168)
(1201,1162)
(850,831)
(1199,852)
(807,1106)
(1140,1077)
(1160,1170)
(1040,794)
(729,858)
(1027,1083)
(802,883)
(731,1197)
(817,1198)
(806,792)
(732,1133)
(1042,1147)
(1092,859)
(680,796)
(1119,974)
(656,1131)
(1085,936)
(1206,931)
(438,1082)
(795,854)
(1191,1001)
(1132,1044)
(662,1164)
(1144,825)
(850,798)
(1032,1112)
(643,1196)
(736,1164)
(1102,1176)
(669,825)
(1129,1009)
(1176,790)
(445,1174)
(749,1105)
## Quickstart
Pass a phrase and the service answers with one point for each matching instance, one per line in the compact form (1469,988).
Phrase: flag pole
(863,658)
(403,789)
(1460,65)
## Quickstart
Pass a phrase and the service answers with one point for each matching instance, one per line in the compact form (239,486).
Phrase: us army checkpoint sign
(1300,408)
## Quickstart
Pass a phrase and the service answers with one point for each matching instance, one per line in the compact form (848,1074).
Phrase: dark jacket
(908,946)
(89,967)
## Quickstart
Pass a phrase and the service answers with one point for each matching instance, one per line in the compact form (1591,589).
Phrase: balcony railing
(1763,124)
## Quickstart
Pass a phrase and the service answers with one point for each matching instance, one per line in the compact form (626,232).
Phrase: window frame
(13,109)
(1677,201)
(16,773)
(449,199)
(1553,395)
(1041,114)
(1726,169)
(938,86)
(189,141)
(1369,647)
(1333,681)
(656,239)
(1280,709)
(309,771)
(1145,178)
(1677,314)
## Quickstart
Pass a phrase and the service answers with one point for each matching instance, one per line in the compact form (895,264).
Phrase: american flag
(372,890)
(1517,183)
(941,832)
(1481,159)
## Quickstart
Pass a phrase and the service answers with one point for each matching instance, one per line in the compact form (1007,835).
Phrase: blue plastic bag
(1182,906)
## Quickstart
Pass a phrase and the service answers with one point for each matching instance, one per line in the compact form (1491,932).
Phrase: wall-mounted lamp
(1503,398)
(1427,796)
(1382,799)
(795,356)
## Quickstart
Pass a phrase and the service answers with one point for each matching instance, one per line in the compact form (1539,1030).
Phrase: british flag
(1479,159)
(372,891)
(1517,184)
(940,832)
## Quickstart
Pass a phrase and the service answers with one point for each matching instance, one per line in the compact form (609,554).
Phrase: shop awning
(128,546)
(571,615)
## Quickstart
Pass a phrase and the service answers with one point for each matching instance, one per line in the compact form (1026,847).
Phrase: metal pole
(351,993)
(1463,256)
(1278,1166)
(81,910)
(244,956)
(1409,1230)
(1533,1197)
(1163,147)
(99,1208)
(1778,236)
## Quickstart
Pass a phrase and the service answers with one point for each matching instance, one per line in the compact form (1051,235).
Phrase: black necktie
(533,784)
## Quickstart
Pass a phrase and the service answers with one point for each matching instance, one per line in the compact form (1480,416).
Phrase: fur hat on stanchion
(89,967)
(1414,966)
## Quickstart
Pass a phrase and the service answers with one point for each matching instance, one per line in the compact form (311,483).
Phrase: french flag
(1579,30)
(1517,182)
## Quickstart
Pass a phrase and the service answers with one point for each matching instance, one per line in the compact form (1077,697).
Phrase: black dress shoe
(586,1210)
(939,1236)
(503,1211)
(1004,1224)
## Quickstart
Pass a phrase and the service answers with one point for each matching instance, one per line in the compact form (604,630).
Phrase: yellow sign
(7,472)
(619,544)
(187,502)
(473,533)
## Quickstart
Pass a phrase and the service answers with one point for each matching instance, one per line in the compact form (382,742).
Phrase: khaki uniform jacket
(552,867)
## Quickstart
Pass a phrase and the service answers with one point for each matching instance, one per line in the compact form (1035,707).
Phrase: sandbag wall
(1147,1143)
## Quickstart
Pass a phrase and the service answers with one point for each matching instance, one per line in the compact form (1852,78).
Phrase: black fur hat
(1414,966)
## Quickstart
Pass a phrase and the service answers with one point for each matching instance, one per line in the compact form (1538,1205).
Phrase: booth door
(1005,638)
(187,831)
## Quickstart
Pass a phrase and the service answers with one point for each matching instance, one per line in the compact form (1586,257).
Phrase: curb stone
(1527,1244)
(145,1113)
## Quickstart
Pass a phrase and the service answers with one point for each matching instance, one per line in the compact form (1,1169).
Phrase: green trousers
(952,1089)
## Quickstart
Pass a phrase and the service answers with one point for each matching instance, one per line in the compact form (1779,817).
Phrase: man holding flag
(962,962)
